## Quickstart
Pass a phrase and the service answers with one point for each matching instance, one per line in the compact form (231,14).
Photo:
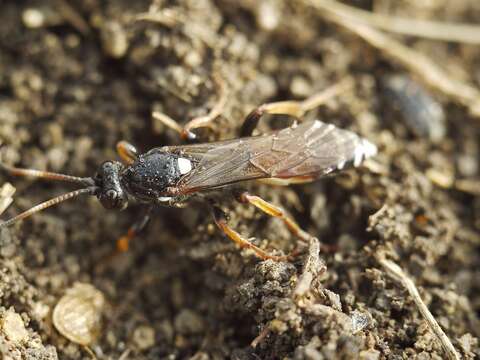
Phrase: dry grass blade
(165,18)
(172,19)
(469,186)
(6,193)
(461,33)
(333,91)
(397,274)
(422,66)
(71,15)
(312,266)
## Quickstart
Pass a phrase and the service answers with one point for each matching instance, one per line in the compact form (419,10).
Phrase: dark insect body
(302,153)
(171,175)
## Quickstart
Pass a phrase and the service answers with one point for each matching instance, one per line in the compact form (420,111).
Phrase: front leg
(127,152)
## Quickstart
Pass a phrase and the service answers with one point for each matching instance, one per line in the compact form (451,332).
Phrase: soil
(78,76)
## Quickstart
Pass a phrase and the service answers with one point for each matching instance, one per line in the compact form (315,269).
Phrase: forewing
(309,149)
(221,163)
(313,149)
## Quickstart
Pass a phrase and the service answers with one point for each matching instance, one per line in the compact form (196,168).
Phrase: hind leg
(221,221)
(274,211)
(294,108)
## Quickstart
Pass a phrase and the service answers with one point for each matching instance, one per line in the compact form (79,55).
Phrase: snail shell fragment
(77,315)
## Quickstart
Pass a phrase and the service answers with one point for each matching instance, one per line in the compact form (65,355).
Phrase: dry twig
(422,66)
(312,267)
(397,274)
(70,14)
(469,186)
(462,33)
(6,193)
(175,20)
(263,334)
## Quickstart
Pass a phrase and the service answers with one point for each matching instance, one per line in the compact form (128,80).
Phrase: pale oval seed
(77,315)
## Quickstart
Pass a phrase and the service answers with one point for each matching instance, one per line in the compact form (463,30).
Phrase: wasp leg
(221,221)
(296,109)
(198,122)
(123,243)
(287,182)
(127,151)
(274,211)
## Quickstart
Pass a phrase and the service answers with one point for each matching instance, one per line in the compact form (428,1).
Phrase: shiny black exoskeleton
(144,180)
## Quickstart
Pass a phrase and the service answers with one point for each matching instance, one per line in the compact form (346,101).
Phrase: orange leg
(296,109)
(221,221)
(278,212)
(198,122)
(123,243)
(275,211)
(287,182)
(127,152)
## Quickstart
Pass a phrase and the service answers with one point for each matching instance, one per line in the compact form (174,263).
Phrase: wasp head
(110,192)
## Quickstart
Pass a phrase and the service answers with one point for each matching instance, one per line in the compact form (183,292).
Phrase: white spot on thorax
(184,166)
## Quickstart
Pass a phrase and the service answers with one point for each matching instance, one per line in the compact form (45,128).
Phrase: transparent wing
(220,163)
(309,149)
(313,149)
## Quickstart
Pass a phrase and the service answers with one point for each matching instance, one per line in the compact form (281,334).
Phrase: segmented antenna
(11,170)
(46,204)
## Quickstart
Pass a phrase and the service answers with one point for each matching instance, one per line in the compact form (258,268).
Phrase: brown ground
(67,95)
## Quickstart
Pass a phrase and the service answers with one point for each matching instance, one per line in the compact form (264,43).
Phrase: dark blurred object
(423,115)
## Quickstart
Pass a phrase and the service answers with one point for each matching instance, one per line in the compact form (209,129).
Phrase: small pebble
(359,321)
(312,354)
(6,193)
(114,39)
(33,18)
(467,165)
(7,245)
(189,322)
(144,337)
(369,355)
(441,178)
(13,327)
(300,87)
(269,14)
(193,59)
